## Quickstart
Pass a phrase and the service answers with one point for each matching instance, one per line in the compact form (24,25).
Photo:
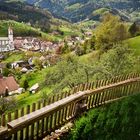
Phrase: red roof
(8,82)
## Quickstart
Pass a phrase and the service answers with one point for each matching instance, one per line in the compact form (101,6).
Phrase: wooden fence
(5,118)
(43,118)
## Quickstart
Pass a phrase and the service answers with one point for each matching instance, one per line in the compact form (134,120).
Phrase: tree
(6,91)
(133,29)
(111,31)
(37,63)
(79,50)
(69,72)
(5,72)
(45,96)
(116,61)
(7,104)
(25,84)
(17,72)
(65,48)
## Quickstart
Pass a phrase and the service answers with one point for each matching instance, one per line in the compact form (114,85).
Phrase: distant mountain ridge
(77,10)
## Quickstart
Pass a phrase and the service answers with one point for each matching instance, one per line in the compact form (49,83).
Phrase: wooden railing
(45,118)
(10,116)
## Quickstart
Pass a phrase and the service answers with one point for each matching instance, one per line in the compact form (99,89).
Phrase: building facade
(7,43)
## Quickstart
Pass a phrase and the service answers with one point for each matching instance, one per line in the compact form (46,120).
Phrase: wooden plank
(22,131)
(9,117)
(55,119)
(69,114)
(38,122)
(15,117)
(27,127)
(47,120)
(3,120)
(93,101)
(33,125)
(59,117)
(43,122)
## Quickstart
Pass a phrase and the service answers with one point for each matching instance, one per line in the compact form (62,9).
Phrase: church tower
(11,38)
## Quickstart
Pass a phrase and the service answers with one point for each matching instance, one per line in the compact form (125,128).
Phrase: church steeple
(10,37)
(10,31)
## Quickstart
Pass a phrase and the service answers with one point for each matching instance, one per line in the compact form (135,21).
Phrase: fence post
(27,128)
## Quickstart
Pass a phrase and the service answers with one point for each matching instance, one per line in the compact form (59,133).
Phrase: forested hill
(77,10)
(22,12)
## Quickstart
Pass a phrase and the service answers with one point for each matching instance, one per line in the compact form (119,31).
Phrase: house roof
(8,82)
(34,87)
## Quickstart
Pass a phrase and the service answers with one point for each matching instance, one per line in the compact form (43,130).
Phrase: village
(37,54)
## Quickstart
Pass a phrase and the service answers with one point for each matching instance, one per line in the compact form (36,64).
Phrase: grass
(11,57)
(86,25)
(37,76)
(14,56)
(22,29)
(33,78)
(118,120)
(89,57)
(134,43)
(74,6)
(70,31)
(100,11)
(28,99)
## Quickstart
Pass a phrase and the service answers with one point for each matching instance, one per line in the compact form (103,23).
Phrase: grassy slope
(14,56)
(66,27)
(87,24)
(100,11)
(40,77)
(74,6)
(134,43)
(118,121)
(33,78)
(21,29)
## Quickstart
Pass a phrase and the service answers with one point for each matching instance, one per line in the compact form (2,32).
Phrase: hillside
(117,121)
(26,13)
(33,21)
(22,29)
(77,10)
(134,43)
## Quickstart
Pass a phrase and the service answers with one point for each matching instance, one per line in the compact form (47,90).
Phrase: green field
(22,29)
(134,43)
(100,11)
(74,6)
(33,78)
(14,56)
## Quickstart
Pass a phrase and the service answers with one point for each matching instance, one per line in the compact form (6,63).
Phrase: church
(7,43)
